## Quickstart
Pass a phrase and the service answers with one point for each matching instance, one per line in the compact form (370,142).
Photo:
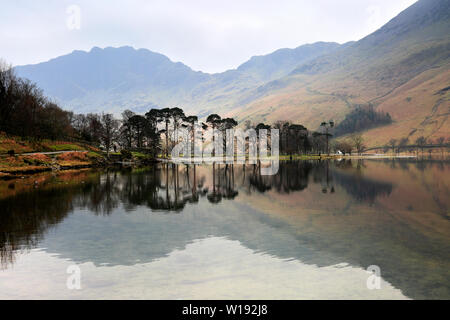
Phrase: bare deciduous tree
(358,142)
(109,132)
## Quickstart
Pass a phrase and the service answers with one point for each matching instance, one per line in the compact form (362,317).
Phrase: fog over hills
(399,69)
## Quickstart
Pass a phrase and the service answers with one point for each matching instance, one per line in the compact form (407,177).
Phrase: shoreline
(10,173)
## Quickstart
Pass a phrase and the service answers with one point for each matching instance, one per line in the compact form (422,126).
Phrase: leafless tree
(110,131)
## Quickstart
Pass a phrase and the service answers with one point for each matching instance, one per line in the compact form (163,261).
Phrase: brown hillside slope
(421,107)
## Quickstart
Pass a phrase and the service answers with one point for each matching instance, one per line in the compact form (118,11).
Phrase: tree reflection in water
(166,187)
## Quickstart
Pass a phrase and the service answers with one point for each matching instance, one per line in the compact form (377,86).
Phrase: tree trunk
(167,139)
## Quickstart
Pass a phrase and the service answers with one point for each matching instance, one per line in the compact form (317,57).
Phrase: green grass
(92,154)
(306,157)
(65,147)
(140,155)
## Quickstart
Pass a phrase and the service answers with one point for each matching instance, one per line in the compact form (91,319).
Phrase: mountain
(101,78)
(403,68)
(120,78)
(281,62)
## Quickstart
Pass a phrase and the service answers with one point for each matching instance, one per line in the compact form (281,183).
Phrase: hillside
(403,68)
(281,62)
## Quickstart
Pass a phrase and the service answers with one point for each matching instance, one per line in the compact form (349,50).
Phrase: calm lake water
(204,232)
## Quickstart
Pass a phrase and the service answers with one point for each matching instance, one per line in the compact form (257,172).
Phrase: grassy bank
(17,165)
(28,145)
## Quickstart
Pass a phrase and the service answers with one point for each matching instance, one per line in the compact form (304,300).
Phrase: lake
(227,232)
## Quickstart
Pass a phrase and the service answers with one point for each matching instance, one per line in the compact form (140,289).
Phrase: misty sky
(207,35)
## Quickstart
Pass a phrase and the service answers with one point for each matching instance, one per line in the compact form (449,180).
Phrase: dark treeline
(362,118)
(26,112)
(296,139)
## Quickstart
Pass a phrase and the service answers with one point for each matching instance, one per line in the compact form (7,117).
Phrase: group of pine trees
(296,138)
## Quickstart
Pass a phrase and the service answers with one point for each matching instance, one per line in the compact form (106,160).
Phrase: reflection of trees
(257,181)
(421,165)
(103,196)
(139,189)
(359,187)
(292,176)
(404,165)
(181,186)
(169,187)
(223,183)
(322,174)
(27,216)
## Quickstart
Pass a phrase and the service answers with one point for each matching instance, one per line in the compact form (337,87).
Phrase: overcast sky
(207,35)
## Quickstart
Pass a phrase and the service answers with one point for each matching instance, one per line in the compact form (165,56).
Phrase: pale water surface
(226,232)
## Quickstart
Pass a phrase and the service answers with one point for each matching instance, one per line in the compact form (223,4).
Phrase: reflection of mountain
(133,225)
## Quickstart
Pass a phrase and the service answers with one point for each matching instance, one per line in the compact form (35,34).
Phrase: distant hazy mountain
(119,78)
(91,81)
